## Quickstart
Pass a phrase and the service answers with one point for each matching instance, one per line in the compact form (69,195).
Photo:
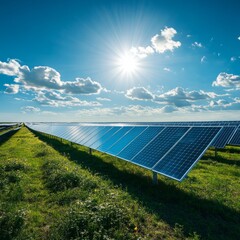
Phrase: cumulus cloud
(223,104)
(160,43)
(220,102)
(44,77)
(239,38)
(197,44)
(10,68)
(233,59)
(177,97)
(139,93)
(54,99)
(11,88)
(142,52)
(163,42)
(182,98)
(82,86)
(227,80)
(30,109)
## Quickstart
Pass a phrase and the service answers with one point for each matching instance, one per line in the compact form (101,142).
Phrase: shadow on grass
(4,137)
(221,159)
(207,218)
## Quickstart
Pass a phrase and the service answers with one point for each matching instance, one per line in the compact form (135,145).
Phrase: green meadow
(53,189)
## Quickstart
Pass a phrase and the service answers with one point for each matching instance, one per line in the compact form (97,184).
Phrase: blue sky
(119,60)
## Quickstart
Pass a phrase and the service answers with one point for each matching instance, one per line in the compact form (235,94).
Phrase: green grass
(53,190)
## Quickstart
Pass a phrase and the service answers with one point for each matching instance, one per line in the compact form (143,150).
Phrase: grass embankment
(61,192)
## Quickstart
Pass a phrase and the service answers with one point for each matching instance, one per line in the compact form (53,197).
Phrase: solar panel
(119,134)
(74,132)
(139,143)
(105,137)
(159,146)
(168,148)
(85,133)
(125,140)
(235,140)
(222,138)
(63,132)
(82,131)
(181,158)
(100,133)
(92,134)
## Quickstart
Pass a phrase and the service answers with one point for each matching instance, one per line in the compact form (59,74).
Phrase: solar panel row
(169,150)
(235,140)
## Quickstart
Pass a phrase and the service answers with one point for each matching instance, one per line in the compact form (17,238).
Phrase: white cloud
(11,88)
(163,42)
(139,93)
(10,68)
(30,109)
(203,59)
(44,77)
(239,38)
(142,52)
(167,69)
(177,97)
(223,104)
(104,99)
(182,98)
(188,36)
(82,86)
(227,80)
(160,43)
(197,44)
(54,99)
(233,59)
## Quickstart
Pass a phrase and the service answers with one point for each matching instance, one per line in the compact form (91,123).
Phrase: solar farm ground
(54,190)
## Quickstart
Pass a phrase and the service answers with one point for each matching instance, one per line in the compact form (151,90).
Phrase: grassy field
(54,190)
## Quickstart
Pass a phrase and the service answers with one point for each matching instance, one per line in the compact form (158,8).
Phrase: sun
(128,64)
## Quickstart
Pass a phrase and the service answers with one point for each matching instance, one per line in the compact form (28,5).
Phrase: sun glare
(128,64)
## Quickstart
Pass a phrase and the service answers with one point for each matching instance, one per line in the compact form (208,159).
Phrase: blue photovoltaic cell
(55,130)
(105,137)
(82,131)
(236,138)
(151,154)
(139,143)
(64,132)
(92,134)
(125,140)
(97,136)
(75,131)
(222,138)
(180,159)
(89,130)
(105,146)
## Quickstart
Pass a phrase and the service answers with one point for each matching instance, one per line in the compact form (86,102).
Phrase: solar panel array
(235,139)
(5,129)
(169,149)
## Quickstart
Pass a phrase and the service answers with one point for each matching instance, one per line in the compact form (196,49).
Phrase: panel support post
(90,151)
(215,152)
(155,179)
